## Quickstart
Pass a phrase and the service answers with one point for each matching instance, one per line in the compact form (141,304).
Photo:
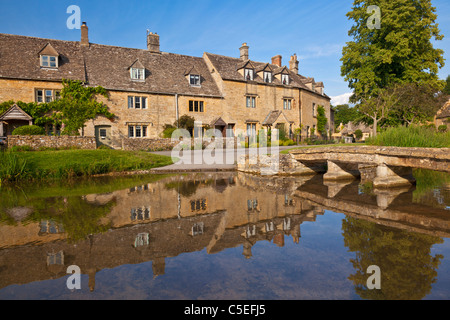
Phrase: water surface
(225,236)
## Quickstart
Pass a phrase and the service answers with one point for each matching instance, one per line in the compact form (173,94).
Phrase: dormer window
(194,80)
(137,73)
(285,79)
(267,77)
(249,74)
(49,61)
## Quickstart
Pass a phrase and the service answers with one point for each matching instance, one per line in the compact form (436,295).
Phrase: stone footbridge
(393,164)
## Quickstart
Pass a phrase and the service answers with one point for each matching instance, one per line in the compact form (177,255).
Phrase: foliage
(358,134)
(344,114)
(412,136)
(185,122)
(29,131)
(78,104)
(12,167)
(442,128)
(446,89)
(321,121)
(401,51)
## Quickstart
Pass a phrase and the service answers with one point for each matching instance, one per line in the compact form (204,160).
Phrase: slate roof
(101,65)
(273,116)
(228,68)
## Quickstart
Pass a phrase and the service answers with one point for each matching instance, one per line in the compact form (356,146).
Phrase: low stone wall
(56,142)
(148,144)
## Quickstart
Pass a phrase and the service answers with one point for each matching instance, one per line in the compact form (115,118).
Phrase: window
(248,74)
(285,79)
(142,239)
(251,102)
(287,104)
(140,214)
(47,95)
(267,77)
(252,205)
(137,131)
(196,106)
(49,62)
(314,110)
(137,102)
(102,134)
(199,205)
(137,73)
(198,229)
(251,129)
(194,80)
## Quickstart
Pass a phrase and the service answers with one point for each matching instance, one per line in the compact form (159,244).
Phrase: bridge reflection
(191,213)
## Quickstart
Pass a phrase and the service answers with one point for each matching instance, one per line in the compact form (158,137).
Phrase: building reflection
(217,211)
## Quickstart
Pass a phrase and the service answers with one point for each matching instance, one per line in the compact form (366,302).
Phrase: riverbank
(40,165)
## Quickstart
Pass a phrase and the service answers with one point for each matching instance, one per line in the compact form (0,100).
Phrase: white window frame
(251,102)
(249,73)
(46,62)
(41,95)
(267,74)
(135,101)
(137,131)
(285,77)
(195,80)
(287,104)
(137,74)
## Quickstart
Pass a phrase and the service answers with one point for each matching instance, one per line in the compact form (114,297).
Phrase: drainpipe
(176,107)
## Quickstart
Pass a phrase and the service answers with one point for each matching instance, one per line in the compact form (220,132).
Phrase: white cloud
(341,99)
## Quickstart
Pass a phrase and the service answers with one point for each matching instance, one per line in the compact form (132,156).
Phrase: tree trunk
(375,126)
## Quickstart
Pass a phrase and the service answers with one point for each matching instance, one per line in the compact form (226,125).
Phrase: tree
(78,104)
(417,102)
(400,51)
(185,122)
(446,89)
(344,114)
(377,108)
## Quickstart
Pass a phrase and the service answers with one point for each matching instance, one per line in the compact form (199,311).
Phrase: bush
(288,143)
(442,128)
(358,134)
(167,133)
(29,131)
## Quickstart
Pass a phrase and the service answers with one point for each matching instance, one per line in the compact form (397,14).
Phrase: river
(222,236)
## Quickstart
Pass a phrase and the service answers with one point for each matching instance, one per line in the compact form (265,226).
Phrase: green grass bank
(17,166)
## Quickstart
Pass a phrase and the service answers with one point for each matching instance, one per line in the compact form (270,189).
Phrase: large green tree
(343,113)
(399,51)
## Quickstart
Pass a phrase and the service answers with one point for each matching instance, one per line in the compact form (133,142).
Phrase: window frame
(251,102)
(269,74)
(55,95)
(137,74)
(285,77)
(133,102)
(48,61)
(196,106)
(195,80)
(287,104)
(249,73)
(134,129)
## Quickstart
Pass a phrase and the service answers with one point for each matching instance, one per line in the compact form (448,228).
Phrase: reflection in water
(135,220)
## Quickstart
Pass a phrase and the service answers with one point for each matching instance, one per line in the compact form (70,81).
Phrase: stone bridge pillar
(341,171)
(390,176)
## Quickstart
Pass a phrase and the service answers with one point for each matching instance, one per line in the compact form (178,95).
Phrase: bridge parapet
(394,164)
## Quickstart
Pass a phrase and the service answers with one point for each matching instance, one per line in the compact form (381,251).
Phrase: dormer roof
(137,65)
(48,50)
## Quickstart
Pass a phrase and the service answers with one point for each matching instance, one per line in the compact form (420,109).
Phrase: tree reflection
(408,269)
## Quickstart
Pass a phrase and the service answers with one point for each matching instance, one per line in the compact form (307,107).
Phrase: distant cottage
(150,88)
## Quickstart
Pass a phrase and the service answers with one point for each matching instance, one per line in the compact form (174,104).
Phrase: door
(103,136)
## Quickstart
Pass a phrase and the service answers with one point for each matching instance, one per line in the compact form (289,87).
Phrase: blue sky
(315,30)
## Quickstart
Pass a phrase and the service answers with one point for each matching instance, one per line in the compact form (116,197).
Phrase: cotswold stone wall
(148,144)
(57,142)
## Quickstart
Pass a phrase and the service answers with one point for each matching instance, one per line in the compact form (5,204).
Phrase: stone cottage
(149,88)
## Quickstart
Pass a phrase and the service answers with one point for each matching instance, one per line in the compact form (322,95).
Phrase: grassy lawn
(73,163)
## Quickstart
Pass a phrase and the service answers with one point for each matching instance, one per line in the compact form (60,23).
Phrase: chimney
(293,64)
(244,51)
(277,60)
(153,42)
(84,35)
